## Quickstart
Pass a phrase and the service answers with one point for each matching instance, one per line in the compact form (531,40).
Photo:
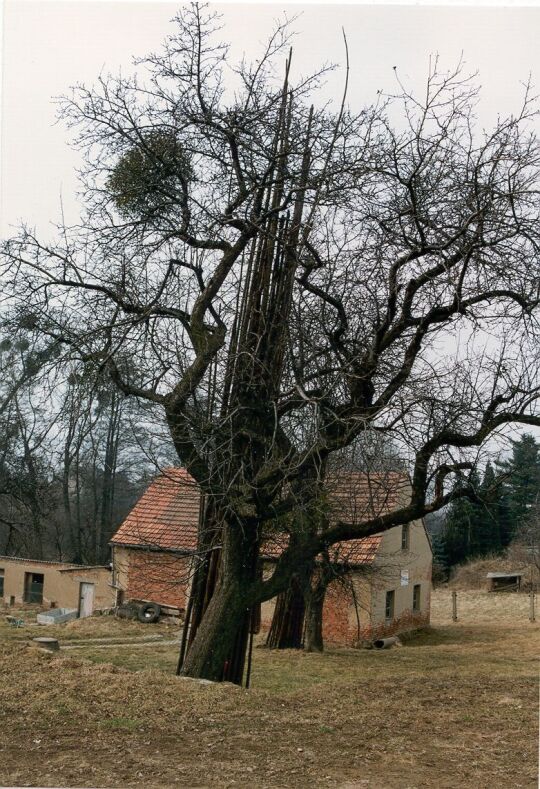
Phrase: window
(389,611)
(405,537)
(416,599)
(33,587)
(1,583)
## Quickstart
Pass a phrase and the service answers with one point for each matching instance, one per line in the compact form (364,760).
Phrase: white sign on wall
(404,577)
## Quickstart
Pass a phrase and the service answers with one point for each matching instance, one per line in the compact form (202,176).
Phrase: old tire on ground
(149,613)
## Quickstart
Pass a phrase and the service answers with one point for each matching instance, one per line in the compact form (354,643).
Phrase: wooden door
(86,599)
(33,587)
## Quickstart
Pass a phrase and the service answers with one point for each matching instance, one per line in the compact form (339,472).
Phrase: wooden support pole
(532,617)
(454,606)
(250,657)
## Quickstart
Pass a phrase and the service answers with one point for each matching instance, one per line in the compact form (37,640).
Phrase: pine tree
(460,539)
(492,495)
(522,472)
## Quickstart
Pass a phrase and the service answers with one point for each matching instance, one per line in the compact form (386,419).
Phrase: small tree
(528,537)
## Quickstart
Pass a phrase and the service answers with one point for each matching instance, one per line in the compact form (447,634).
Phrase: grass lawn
(456,706)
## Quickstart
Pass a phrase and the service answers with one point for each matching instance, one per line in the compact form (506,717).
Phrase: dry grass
(455,706)
(94,627)
(479,607)
(472,575)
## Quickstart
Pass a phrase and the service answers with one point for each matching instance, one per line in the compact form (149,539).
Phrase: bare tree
(323,272)
(66,478)
(27,496)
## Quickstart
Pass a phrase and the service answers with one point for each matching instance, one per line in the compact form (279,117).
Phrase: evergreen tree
(491,516)
(460,538)
(440,563)
(522,472)
(507,495)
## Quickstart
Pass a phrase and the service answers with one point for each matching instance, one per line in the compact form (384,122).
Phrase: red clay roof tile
(166,516)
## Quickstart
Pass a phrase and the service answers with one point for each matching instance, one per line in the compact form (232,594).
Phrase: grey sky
(50,45)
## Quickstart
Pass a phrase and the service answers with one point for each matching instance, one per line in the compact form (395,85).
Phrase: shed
(504,582)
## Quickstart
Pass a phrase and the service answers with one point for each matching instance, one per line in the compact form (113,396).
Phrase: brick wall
(336,620)
(347,618)
(158,577)
(164,579)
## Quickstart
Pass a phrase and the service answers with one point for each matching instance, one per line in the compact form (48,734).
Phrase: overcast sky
(47,46)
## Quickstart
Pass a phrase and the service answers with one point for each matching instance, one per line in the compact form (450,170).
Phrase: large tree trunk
(287,628)
(218,649)
(208,570)
(255,363)
(313,639)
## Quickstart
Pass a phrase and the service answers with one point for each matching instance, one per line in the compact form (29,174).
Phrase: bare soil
(455,706)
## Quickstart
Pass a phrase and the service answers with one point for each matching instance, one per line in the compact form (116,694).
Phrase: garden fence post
(532,617)
(454,606)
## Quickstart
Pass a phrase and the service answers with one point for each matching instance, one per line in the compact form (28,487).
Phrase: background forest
(74,457)
(506,510)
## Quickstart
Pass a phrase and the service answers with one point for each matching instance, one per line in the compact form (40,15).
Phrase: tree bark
(108,476)
(315,594)
(218,649)
(287,628)
(313,639)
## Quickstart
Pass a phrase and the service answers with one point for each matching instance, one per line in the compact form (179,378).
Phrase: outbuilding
(504,582)
(55,584)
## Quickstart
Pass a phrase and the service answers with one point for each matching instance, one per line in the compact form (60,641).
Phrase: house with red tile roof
(386,588)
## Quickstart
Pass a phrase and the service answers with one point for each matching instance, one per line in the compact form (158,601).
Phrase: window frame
(417,590)
(390,605)
(30,596)
(405,536)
